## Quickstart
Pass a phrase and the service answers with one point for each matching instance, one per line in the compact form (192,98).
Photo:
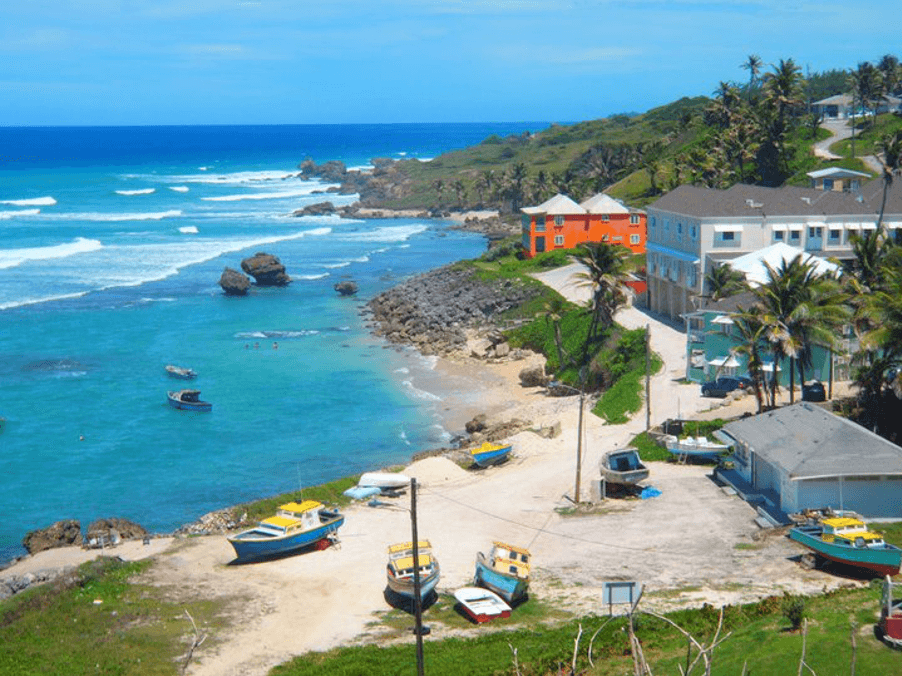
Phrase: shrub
(794,610)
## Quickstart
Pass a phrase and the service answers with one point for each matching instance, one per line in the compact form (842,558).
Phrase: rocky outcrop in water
(113,530)
(432,311)
(266,269)
(60,534)
(234,283)
(346,288)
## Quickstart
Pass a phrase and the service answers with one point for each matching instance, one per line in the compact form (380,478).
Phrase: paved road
(841,130)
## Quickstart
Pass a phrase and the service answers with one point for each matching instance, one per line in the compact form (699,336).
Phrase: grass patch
(60,629)
(625,395)
(328,493)
(891,531)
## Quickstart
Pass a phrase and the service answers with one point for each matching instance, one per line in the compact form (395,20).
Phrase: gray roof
(837,172)
(809,442)
(742,200)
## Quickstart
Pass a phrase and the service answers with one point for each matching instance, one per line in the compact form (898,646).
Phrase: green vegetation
(99,621)
(328,493)
(761,638)
(867,136)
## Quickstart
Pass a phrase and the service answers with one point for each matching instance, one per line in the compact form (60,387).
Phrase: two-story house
(691,229)
(561,223)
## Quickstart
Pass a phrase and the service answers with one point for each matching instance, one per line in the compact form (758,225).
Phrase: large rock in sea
(115,529)
(61,534)
(234,283)
(266,270)
(346,288)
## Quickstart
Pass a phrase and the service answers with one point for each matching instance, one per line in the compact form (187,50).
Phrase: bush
(794,610)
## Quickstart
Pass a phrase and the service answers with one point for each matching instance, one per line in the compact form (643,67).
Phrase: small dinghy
(481,605)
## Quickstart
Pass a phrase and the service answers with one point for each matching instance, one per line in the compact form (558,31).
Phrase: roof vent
(859,198)
(753,204)
(806,200)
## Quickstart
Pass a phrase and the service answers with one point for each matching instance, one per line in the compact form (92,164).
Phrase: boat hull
(884,560)
(388,480)
(175,400)
(404,587)
(509,587)
(493,457)
(481,605)
(247,547)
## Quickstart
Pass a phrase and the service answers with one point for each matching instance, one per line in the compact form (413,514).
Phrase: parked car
(813,390)
(722,386)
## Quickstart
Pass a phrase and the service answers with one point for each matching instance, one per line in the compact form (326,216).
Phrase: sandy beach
(685,538)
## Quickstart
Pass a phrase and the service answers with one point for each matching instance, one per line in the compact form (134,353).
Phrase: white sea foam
(31,202)
(188,229)
(403,370)
(10,258)
(331,266)
(282,335)
(233,178)
(320,276)
(6,215)
(419,394)
(143,191)
(397,233)
(361,259)
(112,217)
(34,301)
(179,188)
(260,195)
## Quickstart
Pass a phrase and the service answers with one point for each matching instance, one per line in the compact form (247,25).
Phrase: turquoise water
(107,274)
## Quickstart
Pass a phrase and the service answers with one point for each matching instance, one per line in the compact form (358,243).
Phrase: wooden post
(417,601)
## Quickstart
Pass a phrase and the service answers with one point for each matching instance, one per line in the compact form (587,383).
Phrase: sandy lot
(685,538)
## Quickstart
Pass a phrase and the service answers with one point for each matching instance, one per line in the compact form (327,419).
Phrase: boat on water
(400,571)
(890,624)
(188,400)
(181,372)
(847,540)
(490,454)
(504,571)
(390,481)
(699,447)
(481,605)
(623,467)
(294,526)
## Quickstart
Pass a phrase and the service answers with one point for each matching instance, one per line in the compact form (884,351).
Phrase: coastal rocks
(432,311)
(346,288)
(60,534)
(533,376)
(333,171)
(220,521)
(318,209)
(17,583)
(480,430)
(114,530)
(234,283)
(266,270)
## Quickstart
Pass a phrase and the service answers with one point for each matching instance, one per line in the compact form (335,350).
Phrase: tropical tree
(890,156)
(606,271)
(751,334)
(723,281)
(782,97)
(460,190)
(553,311)
(891,72)
(753,65)
(867,87)
(439,186)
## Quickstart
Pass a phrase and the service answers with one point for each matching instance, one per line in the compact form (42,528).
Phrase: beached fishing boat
(490,454)
(400,571)
(390,481)
(188,400)
(890,624)
(505,571)
(181,372)
(623,467)
(481,605)
(847,540)
(294,527)
(700,447)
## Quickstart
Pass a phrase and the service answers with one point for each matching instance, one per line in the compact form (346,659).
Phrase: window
(828,184)
(605,218)
(559,240)
(634,219)
(540,244)
(540,224)
(666,224)
(728,236)
(795,235)
(618,238)
(558,220)
(835,236)
(815,233)
(605,238)
(634,239)
(654,221)
(652,263)
(779,235)
(693,232)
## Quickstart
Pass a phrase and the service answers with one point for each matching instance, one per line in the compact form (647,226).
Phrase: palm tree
(867,86)
(553,311)
(753,65)
(782,95)
(891,72)
(890,156)
(751,334)
(723,281)
(607,268)
(460,190)
(439,186)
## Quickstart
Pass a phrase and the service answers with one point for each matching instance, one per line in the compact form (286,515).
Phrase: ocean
(112,241)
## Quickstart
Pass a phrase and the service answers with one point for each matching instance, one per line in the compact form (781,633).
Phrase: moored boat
(700,447)
(481,604)
(400,571)
(294,526)
(383,480)
(490,454)
(504,571)
(623,467)
(188,400)
(181,372)
(848,541)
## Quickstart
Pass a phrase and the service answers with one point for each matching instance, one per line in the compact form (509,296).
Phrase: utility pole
(579,447)
(647,377)
(417,601)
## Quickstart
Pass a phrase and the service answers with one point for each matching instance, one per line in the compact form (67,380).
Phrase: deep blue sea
(112,241)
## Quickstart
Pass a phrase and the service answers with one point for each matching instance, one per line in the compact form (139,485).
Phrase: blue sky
(320,61)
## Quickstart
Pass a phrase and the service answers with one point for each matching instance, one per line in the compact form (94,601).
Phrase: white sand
(686,537)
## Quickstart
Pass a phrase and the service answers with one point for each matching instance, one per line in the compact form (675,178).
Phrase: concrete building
(804,457)
(837,178)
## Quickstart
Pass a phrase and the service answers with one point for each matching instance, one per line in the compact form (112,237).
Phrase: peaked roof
(810,442)
(559,205)
(603,204)
(752,264)
(837,172)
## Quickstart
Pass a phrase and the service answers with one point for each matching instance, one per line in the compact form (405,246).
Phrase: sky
(155,62)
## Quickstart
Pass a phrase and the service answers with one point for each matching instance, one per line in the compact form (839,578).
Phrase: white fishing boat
(383,480)
(481,605)
(695,447)
(623,467)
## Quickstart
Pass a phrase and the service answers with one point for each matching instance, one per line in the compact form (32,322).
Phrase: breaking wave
(10,258)
(143,191)
(31,202)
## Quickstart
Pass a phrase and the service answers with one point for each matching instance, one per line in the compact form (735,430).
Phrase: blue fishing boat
(623,467)
(400,571)
(490,454)
(848,541)
(504,571)
(295,526)
(188,400)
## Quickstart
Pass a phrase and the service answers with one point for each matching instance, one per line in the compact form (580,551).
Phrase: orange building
(561,223)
